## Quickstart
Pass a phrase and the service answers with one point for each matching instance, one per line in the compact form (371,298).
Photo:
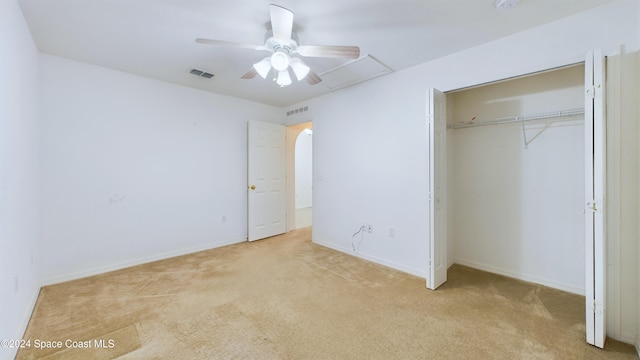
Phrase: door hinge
(597,307)
(591,91)
(593,206)
(597,92)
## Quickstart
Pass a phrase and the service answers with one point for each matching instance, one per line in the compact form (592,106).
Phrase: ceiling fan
(282,42)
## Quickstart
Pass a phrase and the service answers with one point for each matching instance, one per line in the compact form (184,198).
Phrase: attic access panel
(354,72)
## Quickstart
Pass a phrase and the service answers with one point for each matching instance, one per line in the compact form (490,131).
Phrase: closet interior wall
(517,209)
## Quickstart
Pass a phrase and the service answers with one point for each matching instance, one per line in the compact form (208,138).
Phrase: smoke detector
(505,4)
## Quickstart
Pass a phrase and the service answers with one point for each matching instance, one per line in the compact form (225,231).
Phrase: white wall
(19,208)
(370,139)
(636,85)
(136,169)
(519,211)
(637,236)
(369,168)
(303,172)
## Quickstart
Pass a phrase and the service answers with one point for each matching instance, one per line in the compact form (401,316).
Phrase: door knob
(252,187)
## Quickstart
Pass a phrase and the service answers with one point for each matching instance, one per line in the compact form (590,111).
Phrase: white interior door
(266,180)
(437,118)
(594,198)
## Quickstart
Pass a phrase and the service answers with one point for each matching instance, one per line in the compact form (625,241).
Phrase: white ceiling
(155,38)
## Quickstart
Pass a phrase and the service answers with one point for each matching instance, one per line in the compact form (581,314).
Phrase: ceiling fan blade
(228,43)
(336,52)
(281,22)
(312,78)
(250,74)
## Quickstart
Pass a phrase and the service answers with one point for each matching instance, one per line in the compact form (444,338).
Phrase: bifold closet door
(437,119)
(594,198)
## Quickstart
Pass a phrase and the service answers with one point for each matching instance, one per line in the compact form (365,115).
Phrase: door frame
(599,251)
(292,134)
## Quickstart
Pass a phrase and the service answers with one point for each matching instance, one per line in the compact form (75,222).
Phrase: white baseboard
(375,259)
(139,261)
(624,337)
(26,317)
(521,276)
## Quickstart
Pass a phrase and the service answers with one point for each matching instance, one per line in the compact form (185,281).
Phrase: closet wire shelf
(562,115)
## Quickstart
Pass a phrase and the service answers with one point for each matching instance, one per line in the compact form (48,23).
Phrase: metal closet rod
(524,118)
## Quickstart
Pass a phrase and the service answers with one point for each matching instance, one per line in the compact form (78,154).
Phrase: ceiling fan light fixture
(263,67)
(299,68)
(284,78)
(283,43)
(280,60)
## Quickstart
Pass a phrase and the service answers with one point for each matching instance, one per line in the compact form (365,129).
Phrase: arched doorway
(303,178)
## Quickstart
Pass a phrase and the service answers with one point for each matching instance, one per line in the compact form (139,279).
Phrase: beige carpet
(286,298)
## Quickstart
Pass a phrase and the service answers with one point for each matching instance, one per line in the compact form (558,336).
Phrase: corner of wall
(19,175)
(637,89)
(638,229)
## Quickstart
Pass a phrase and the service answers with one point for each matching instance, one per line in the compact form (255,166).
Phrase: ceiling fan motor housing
(290,46)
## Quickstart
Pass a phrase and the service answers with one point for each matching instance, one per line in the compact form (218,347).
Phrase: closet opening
(516,177)
(524,196)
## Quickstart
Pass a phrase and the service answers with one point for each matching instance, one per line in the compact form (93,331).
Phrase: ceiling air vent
(297,111)
(201,73)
